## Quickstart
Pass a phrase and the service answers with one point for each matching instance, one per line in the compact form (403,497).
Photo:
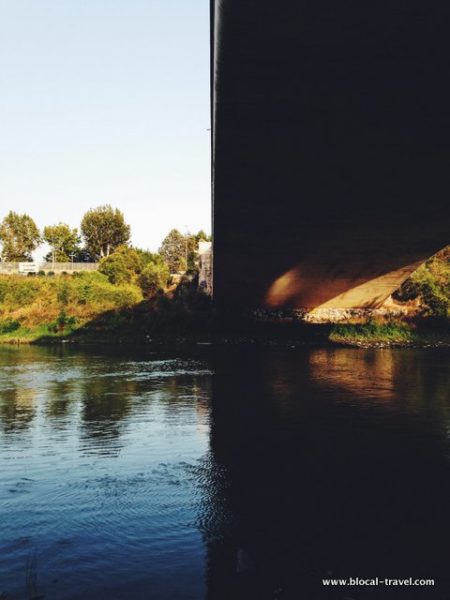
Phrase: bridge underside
(331,125)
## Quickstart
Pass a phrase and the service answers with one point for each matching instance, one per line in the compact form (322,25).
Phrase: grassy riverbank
(391,333)
(169,322)
(115,328)
(89,307)
(32,308)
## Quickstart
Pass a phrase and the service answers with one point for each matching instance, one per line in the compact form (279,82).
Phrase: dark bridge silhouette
(331,159)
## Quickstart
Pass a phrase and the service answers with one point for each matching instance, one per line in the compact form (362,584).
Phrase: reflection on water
(228,473)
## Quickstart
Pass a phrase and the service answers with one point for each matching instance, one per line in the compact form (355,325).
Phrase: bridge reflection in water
(331,463)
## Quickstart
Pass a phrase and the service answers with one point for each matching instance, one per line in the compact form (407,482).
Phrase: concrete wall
(331,128)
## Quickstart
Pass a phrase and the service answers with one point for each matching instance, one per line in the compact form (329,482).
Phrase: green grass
(54,307)
(88,307)
(389,333)
(26,335)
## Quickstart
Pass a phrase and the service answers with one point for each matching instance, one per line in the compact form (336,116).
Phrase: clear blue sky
(106,102)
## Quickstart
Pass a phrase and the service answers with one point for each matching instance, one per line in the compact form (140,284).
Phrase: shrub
(154,278)
(133,258)
(433,282)
(9,325)
(94,289)
(116,269)
(409,290)
(63,293)
(18,291)
(124,296)
(62,322)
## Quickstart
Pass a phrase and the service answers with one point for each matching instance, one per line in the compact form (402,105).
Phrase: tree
(104,229)
(116,269)
(122,266)
(202,236)
(174,250)
(63,241)
(20,237)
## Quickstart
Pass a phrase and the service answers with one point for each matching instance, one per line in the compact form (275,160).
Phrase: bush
(409,290)
(63,293)
(9,325)
(433,282)
(51,274)
(62,322)
(18,291)
(124,296)
(116,269)
(154,278)
(94,289)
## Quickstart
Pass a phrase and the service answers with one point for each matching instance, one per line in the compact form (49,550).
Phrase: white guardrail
(23,268)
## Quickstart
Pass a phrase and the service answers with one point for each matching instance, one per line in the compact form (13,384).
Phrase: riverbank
(88,308)
(370,334)
(394,334)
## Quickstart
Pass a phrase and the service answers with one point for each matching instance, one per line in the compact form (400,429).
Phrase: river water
(223,472)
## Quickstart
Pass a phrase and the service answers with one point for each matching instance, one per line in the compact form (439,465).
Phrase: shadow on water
(331,463)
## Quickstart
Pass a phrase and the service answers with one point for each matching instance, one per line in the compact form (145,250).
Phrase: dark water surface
(226,473)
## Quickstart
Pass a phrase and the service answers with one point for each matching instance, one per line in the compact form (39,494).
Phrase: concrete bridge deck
(331,130)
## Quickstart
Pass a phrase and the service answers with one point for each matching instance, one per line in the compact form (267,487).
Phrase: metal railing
(68,266)
(7,268)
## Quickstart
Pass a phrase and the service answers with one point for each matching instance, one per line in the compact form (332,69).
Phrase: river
(223,472)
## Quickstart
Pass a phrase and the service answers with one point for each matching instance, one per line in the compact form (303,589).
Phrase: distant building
(205,267)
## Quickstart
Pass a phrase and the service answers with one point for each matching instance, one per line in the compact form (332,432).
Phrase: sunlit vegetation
(432,284)
(387,333)
(136,294)
(34,306)
(133,289)
(133,293)
(429,288)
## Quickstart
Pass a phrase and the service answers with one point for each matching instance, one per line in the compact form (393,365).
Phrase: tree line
(103,231)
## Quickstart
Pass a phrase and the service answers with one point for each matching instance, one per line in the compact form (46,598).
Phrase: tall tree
(104,229)
(63,241)
(19,236)
(174,250)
